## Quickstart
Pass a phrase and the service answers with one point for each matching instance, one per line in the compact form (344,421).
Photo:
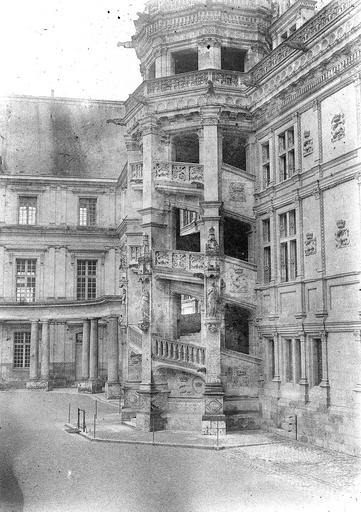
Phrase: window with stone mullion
(25,280)
(86,279)
(22,349)
(288,246)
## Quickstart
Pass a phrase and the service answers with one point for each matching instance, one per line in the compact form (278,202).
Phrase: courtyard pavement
(45,469)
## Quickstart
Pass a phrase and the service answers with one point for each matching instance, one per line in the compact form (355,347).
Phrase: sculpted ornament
(307,143)
(212,300)
(342,235)
(237,192)
(123,292)
(310,244)
(212,246)
(337,127)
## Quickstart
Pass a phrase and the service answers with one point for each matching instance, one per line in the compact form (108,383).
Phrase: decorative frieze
(310,244)
(337,127)
(342,235)
(179,172)
(180,260)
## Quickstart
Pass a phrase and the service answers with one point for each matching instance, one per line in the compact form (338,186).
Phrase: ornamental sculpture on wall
(123,291)
(307,143)
(337,127)
(342,235)
(212,247)
(237,192)
(310,244)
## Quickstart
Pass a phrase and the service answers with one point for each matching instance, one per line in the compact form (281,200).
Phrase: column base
(90,386)
(212,424)
(112,390)
(151,408)
(41,385)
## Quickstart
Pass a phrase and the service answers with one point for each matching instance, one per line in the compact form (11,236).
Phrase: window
(27,210)
(266,233)
(286,154)
(87,211)
(288,248)
(317,362)
(232,59)
(22,349)
(298,359)
(25,280)
(266,168)
(185,61)
(86,287)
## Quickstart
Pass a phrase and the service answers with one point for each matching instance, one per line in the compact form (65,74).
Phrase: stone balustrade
(155,6)
(175,351)
(180,172)
(136,172)
(180,260)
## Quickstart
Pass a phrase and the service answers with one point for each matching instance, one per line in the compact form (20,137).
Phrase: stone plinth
(90,386)
(213,418)
(150,415)
(112,390)
(40,385)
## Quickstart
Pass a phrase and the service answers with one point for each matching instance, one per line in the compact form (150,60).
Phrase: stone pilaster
(303,380)
(93,384)
(34,355)
(85,350)
(112,386)
(44,382)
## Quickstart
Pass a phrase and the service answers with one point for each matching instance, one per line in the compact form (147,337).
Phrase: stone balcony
(177,353)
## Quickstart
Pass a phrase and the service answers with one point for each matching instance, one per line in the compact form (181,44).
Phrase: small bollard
(94,426)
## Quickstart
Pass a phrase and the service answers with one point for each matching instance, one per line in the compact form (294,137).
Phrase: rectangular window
(288,245)
(317,362)
(266,164)
(286,154)
(25,280)
(27,210)
(266,232)
(86,287)
(87,211)
(22,349)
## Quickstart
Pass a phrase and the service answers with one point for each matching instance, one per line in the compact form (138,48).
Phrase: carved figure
(210,87)
(307,143)
(212,246)
(123,293)
(337,127)
(310,244)
(212,300)
(145,305)
(342,234)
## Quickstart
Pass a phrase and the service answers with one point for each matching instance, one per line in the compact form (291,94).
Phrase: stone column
(85,350)
(303,380)
(93,384)
(112,386)
(34,355)
(325,382)
(45,354)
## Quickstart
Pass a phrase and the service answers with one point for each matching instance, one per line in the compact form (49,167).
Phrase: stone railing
(154,6)
(175,351)
(135,336)
(304,34)
(180,260)
(196,79)
(136,172)
(179,172)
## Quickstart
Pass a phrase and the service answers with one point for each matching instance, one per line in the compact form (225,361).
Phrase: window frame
(284,153)
(267,250)
(27,213)
(266,163)
(26,275)
(288,245)
(90,281)
(21,348)
(89,220)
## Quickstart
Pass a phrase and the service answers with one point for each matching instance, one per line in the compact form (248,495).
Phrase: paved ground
(44,469)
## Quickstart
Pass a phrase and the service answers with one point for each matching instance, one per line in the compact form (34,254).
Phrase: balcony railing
(136,172)
(180,260)
(175,351)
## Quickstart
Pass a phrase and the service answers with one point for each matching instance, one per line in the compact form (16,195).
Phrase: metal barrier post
(96,408)
(83,420)
(296,426)
(119,407)
(153,428)
(78,422)
(69,413)
(217,434)
(95,424)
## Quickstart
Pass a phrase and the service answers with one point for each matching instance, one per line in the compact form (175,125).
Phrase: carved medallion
(310,244)
(237,192)
(342,235)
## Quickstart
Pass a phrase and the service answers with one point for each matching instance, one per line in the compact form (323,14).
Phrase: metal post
(119,407)
(153,428)
(78,423)
(296,426)
(217,434)
(96,408)
(95,424)
(83,420)
(69,413)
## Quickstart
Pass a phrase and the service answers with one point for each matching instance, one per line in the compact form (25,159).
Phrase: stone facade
(195,248)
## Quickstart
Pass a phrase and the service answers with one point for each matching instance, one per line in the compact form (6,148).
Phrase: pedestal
(40,385)
(213,420)
(152,406)
(90,386)
(112,390)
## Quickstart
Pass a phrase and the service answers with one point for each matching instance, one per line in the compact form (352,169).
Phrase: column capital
(210,116)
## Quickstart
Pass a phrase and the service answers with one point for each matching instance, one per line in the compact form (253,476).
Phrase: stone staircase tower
(188,192)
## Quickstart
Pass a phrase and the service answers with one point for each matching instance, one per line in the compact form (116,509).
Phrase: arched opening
(187,234)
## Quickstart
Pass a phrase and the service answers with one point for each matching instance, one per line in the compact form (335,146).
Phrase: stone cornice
(64,231)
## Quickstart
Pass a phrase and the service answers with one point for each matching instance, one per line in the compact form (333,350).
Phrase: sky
(69,46)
